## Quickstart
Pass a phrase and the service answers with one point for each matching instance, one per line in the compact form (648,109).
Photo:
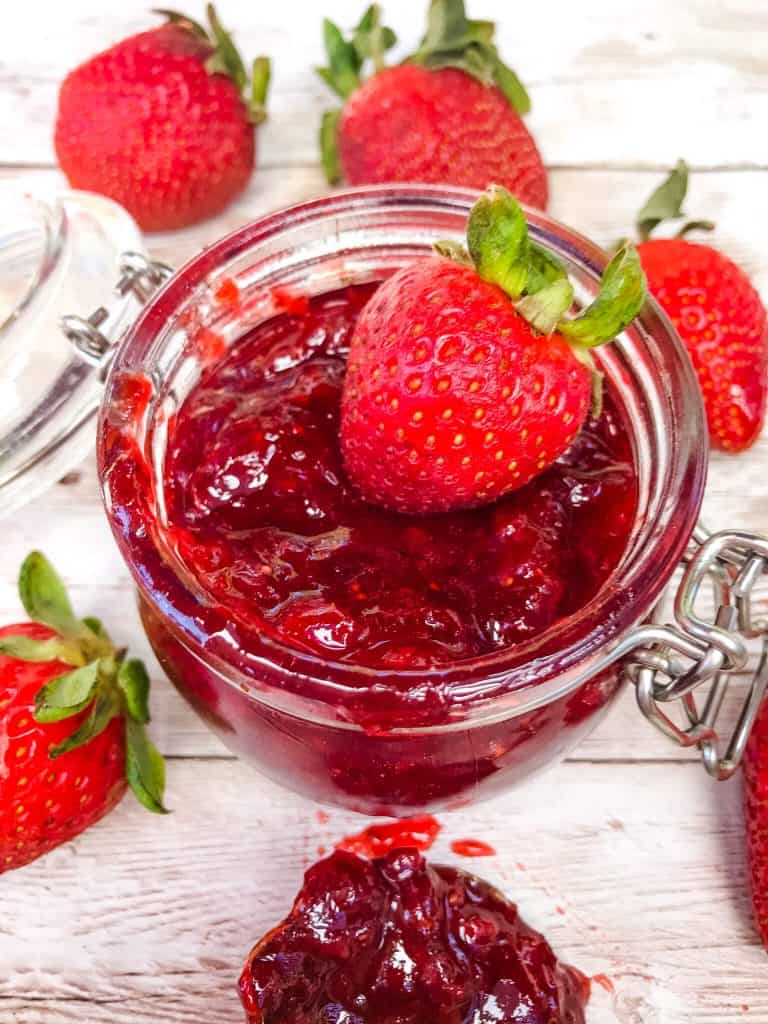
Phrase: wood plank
(638,874)
(629,85)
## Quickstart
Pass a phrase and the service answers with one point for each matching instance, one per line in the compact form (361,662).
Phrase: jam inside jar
(387,663)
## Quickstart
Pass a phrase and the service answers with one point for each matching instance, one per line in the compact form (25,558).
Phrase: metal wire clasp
(140,277)
(700,657)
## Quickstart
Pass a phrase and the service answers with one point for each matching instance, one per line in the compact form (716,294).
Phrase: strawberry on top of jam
(265,518)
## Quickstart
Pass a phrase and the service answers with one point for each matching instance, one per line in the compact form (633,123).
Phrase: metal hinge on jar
(140,277)
(675,664)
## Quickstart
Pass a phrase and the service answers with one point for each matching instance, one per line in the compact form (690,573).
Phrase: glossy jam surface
(397,941)
(263,516)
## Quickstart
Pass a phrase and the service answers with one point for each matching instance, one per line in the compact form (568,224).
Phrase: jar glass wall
(371,739)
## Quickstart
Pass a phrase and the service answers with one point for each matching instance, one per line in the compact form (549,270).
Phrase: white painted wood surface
(626,856)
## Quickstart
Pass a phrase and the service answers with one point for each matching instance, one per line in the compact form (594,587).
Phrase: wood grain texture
(620,82)
(150,919)
(626,856)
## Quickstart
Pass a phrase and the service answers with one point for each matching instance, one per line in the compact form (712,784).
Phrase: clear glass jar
(311,724)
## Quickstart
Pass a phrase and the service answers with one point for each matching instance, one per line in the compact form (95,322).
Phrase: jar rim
(518,669)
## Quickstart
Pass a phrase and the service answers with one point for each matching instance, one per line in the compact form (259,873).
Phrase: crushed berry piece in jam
(263,515)
(397,941)
(376,840)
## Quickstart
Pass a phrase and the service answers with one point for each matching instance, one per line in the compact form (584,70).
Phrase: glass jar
(314,725)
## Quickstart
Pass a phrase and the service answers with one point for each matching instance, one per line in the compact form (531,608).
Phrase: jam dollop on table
(266,520)
(289,565)
(398,941)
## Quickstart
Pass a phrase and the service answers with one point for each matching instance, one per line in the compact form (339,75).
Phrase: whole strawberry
(452,113)
(464,378)
(717,313)
(756,818)
(163,122)
(73,712)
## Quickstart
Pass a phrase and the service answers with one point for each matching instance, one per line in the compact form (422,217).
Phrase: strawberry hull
(388,663)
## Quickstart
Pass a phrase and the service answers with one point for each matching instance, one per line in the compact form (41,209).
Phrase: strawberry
(756,817)
(73,712)
(163,122)
(451,113)
(464,378)
(717,313)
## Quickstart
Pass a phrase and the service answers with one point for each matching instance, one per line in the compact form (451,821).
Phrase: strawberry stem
(346,57)
(225,59)
(454,41)
(536,281)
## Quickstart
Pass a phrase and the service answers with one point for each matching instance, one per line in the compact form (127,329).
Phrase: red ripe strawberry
(72,718)
(756,817)
(458,387)
(450,114)
(718,314)
(161,122)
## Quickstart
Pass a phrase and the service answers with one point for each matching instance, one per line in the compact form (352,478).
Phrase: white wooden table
(626,856)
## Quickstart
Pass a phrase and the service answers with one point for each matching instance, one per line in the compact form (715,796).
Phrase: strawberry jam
(270,527)
(398,941)
(354,654)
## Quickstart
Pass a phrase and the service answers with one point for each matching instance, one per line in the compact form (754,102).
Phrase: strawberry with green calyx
(717,312)
(73,715)
(466,376)
(451,113)
(163,122)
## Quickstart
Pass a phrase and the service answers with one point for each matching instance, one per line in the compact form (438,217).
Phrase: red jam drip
(396,941)
(376,840)
(604,982)
(262,513)
(472,848)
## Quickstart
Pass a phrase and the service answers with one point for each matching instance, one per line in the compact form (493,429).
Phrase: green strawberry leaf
(260,78)
(96,626)
(497,236)
(622,291)
(665,202)
(544,268)
(514,90)
(133,680)
(44,595)
(372,39)
(225,58)
(344,61)
(144,767)
(454,41)
(329,145)
(26,649)
(548,291)
(103,710)
(67,694)
(544,308)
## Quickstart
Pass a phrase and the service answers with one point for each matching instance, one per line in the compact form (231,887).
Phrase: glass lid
(64,256)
